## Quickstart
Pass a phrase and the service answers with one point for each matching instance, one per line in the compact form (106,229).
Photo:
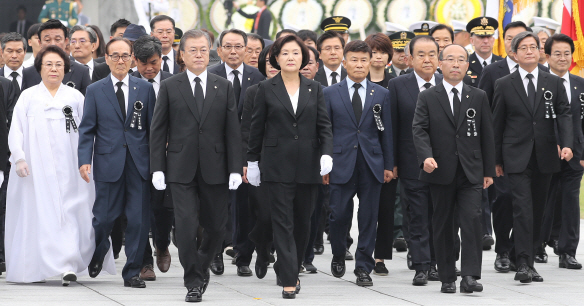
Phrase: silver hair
(90,32)
(193,34)
(520,37)
(537,30)
(13,36)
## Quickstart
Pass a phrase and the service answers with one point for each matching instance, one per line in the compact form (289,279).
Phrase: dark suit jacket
(320,76)
(348,134)
(214,58)
(438,135)
(475,68)
(264,22)
(211,140)
(576,107)
(9,98)
(248,103)
(176,66)
(289,144)
(99,60)
(22,86)
(106,135)
(77,77)
(403,97)
(100,71)
(518,126)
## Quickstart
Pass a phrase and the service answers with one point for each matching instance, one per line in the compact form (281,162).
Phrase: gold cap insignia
(404,35)
(337,19)
(484,21)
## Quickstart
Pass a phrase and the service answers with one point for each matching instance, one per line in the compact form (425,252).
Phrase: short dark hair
(441,55)
(147,46)
(160,18)
(514,24)
(117,38)
(120,23)
(381,42)
(262,60)
(422,37)
(33,30)
(285,31)
(328,35)
(38,60)
(441,26)
(315,52)
(549,43)
(234,31)
(53,24)
(12,36)
(357,46)
(307,34)
(100,50)
(256,37)
(277,48)
(520,37)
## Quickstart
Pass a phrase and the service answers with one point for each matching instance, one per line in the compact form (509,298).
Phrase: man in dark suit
(53,32)
(232,47)
(261,19)
(21,25)
(202,167)
(455,148)
(13,52)
(114,133)
(162,27)
(529,103)
(481,30)
(363,155)
(330,45)
(415,194)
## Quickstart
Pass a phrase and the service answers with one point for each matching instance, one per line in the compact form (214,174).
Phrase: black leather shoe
(348,255)
(409,261)
(229,251)
(310,268)
(569,262)
(206,279)
(502,262)
(298,287)
(535,276)
(523,274)
(217,266)
(512,266)
(380,269)
(421,278)
(94,269)
(448,287)
(400,244)
(338,266)
(469,284)
(194,295)
(318,249)
(457,271)
(363,278)
(540,255)
(488,241)
(135,282)
(288,294)
(244,271)
(261,269)
(433,274)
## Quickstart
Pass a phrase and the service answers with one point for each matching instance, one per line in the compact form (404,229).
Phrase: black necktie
(456,104)
(402,72)
(236,85)
(427,85)
(515,68)
(484,64)
(531,91)
(121,99)
(165,66)
(130,71)
(14,74)
(199,96)
(151,80)
(334,77)
(356,101)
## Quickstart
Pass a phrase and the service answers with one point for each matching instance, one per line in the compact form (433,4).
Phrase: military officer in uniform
(481,30)
(422,27)
(338,24)
(64,10)
(399,64)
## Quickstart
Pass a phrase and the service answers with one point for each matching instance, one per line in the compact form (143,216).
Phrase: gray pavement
(560,287)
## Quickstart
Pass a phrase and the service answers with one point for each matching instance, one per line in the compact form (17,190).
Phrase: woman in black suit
(291,134)
(382,53)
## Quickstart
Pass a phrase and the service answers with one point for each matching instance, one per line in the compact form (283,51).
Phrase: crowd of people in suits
(261,146)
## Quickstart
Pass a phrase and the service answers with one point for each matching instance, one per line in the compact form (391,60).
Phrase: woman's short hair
(380,42)
(38,61)
(277,48)
(262,60)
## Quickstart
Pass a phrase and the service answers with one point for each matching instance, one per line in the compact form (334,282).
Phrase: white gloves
(21,168)
(326,165)
(253,173)
(1,177)
(234,181)
(158,180)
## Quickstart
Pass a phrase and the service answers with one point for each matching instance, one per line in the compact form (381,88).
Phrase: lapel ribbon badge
(471,122)
(69,121)
(70,84)
(549,106)
(137,116)
(377,116)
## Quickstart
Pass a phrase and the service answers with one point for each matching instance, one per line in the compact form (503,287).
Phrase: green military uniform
(63,10)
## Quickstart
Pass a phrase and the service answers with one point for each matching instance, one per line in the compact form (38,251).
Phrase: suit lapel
(246,81)
(369,96)
(303,95)
(475,65)
(541,83)
(132,95)
(321,77)
(412,85)
(184,87)
(504,68)
(444,101)
(575,102)
(279,89)
(108,90)
(210,94)
(343,73)
(346,99)
(465,99)
(518,84)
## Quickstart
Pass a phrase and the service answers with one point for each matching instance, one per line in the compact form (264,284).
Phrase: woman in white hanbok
(48,206)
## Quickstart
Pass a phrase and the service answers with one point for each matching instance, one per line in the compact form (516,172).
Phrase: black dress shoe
(448,287)
(502,262)
(421,278)
(400,244)
(409,261)
(535,276)
(229,251)
(540,255)
(488,241)
(94,268)
(523,274)
(288,294)
(512,266)
(380,269)
(457,271)
(569,262)
(135,282)
(318,249)
(206,279)
(217,266)
(469,284)
(310,268)
(261,269)
(298,287)
(348,255)
(194,295)
(363,278)
(433,274)
(338,266)
(244,271)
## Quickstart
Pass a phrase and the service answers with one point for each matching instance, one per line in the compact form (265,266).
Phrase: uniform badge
(69,121)
(137,116)
(471,122)
(377,116)
(549,106)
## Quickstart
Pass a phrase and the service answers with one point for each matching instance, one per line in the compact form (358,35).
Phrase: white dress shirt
(329,77)
(421,82)
(156,83)
(231,76)
(89,64)
(566,79)
(202,76)
(125,88)
(523,73)
(294,100)
(29,62)
(8,71)
(511,64)
(362,90)
(448,87)
(481,60)
(169,62)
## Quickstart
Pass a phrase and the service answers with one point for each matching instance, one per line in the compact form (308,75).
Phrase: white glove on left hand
(326,165)
(234,181)
(158,180)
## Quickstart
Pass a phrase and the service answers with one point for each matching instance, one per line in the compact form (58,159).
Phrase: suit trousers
(415,195)
(291,206)
(486,205)
(244,223)
(385,221)
(323,214)
(502,214)
(529,189)
(363,184)
(552,216)
(160,224)
(198,203)
(3,190)
(129,195)
(261,235)
(398,217)
(315,229)
(458,200)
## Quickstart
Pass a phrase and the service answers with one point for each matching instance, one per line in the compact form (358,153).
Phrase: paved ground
(561,287)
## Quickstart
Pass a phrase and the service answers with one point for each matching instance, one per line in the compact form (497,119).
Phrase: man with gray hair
(529,103)
(83,42)
(200,168)
(13,52)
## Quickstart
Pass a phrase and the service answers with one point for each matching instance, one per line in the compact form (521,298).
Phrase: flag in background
(572,25)
(503,10)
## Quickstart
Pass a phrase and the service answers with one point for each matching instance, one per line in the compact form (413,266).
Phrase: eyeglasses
(525,48)
(116,57)
(58,65)
(252,51)
(452,60)
(329,49)
(236,47)
(80,41)
(194,51)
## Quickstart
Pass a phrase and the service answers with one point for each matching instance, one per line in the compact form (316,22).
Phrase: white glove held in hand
(158,180)
(234,181)
(21,168)
(326,165)
(253,173)
(1,177)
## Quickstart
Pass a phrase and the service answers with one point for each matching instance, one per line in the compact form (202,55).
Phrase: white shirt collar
(481,60)
(448,87)
(126,80)
(229,69)
(510,63)
(566,75)
(170,55)
(328,71)
(421,81)
(8,71)
(89,64)
(523,73)
(156,78)
(350,83)
(202,76)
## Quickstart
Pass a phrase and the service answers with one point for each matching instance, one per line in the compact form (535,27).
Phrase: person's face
(399,58)
(253,49)
(379,59)
(561,57)
(542,39)
(290,57)
(443,38)
(357,65)
(425,58)
(53,68)
(310,43)
(80,45)
(119,32)
(484,44)
(164,31)
(331,52)
(35,43)
(196,54)
(122,51)
(260,3)
(528,52)
(233,49)
(150,68)
(309,71)
(13,54)
(271,71)
(54,37)
(454,64)
(509,35)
